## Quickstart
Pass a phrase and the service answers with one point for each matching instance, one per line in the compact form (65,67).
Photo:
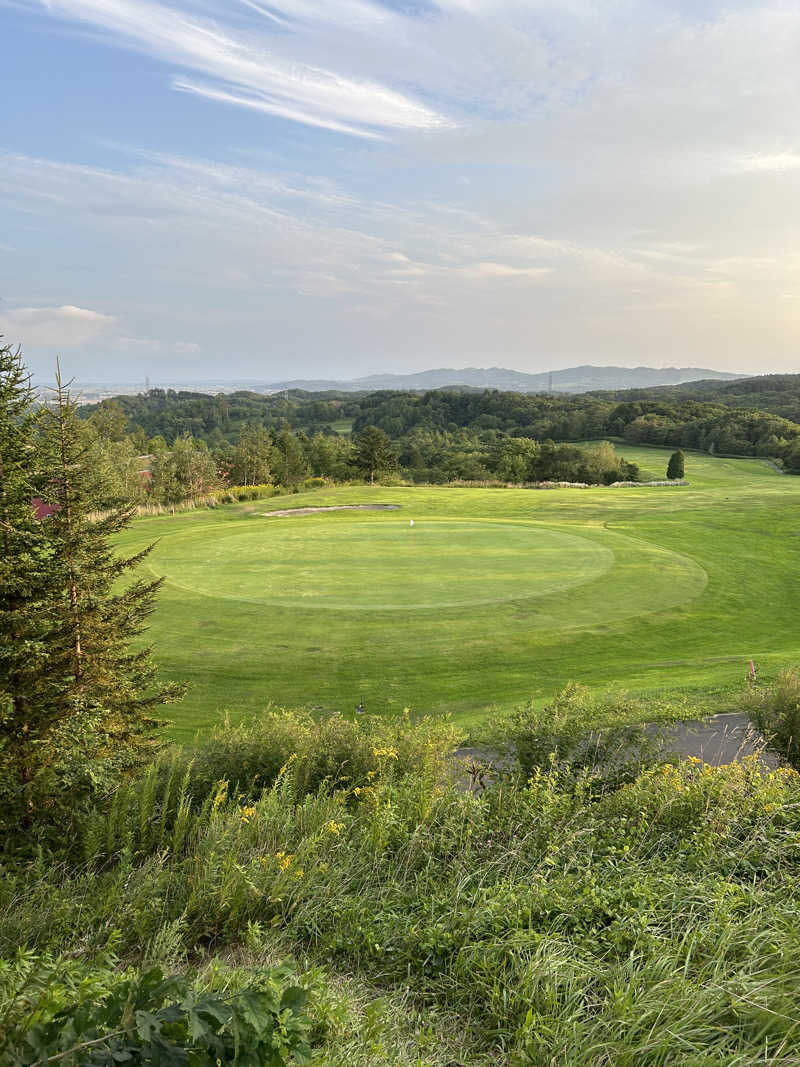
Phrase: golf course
(488,598)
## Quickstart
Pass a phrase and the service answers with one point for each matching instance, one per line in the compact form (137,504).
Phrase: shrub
(584,736)
(242,761)
(776,713)
(676,465)
(93,1016)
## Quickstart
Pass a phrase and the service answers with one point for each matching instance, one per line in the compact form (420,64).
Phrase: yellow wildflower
(248,814)
(390,753)
(335,827)
(286,863)
(299,872)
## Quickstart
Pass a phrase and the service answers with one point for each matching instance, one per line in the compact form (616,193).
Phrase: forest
(167,446)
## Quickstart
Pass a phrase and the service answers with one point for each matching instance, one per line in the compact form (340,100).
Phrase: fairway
(490,598)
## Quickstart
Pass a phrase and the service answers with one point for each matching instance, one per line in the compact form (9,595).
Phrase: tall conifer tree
(111,686)
(29,690)
(76,700)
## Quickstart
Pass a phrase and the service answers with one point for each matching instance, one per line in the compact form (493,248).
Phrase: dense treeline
(133,466)
(200,442)
(219,420)
(686,424)
(777,394)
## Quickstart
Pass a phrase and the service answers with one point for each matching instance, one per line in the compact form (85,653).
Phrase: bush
(586,737)
(676,466)
(776,713)
(243,761)
(94,1016)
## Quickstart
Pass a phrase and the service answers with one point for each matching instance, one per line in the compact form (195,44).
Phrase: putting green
(384,564)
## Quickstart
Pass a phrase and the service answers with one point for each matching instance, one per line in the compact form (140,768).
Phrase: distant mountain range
(584,379)
(573,380)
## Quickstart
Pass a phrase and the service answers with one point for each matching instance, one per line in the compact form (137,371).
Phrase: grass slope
(493,597)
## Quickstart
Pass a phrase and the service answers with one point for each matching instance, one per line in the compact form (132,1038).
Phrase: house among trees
(42,510)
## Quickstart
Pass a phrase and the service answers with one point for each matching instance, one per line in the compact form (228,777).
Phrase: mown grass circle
(384,564)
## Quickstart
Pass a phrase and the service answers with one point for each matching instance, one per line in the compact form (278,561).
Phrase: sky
(231,189)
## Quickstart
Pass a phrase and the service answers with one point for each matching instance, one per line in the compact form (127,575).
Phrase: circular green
(385,564)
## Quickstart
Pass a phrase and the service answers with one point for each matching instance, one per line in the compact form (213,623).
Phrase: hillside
(776,394)
(571,380)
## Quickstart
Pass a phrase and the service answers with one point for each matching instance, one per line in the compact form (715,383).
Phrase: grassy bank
(558,920)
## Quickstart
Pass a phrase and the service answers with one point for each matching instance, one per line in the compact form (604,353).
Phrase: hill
(582,379)
(776,394)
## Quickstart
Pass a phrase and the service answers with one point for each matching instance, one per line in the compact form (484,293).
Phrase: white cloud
(770,162)
(489,270)
(53,327)
(244,67)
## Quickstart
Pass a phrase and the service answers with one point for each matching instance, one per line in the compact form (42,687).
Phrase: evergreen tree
(28,625)
(86,709)
(675,467)
(100,619)
(373,452)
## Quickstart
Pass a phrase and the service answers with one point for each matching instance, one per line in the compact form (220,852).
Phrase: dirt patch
(330,507)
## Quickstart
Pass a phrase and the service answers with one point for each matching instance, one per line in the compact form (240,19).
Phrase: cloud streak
(243,66)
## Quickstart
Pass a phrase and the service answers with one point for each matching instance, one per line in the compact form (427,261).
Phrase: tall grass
(550,920)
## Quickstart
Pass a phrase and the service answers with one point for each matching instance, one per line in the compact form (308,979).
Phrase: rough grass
(496,596)
(542,923)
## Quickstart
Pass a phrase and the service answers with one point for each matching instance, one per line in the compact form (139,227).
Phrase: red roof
(42,510)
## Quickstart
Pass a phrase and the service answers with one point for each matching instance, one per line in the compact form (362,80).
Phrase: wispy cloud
(243,65)
(769,162)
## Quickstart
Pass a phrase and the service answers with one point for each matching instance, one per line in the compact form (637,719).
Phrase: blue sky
(207,189)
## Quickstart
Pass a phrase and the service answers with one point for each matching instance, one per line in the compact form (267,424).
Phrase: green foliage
(775,710)
(76,698)
(250,461)
(452,435)
(583,737)
(289,461)
(373,452)
(676,466)
(639,924)
(61,1011)
(240,762)
(29,631)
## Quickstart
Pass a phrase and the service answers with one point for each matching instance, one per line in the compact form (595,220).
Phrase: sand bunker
(331,507)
